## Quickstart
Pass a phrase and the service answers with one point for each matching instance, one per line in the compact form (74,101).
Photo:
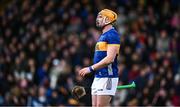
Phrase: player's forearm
(103,63)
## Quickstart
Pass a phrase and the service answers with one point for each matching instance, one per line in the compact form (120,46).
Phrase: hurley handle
(132,85)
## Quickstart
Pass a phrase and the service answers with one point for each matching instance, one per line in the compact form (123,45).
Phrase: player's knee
(93,104)
(102,104)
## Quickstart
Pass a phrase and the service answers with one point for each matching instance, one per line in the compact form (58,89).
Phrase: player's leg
(103,100)
(106,90)
(94,100)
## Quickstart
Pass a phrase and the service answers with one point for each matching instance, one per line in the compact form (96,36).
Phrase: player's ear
(107,20)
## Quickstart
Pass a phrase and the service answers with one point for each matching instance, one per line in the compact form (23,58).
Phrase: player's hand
(84,71)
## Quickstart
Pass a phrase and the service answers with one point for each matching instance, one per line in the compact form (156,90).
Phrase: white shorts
(104,86)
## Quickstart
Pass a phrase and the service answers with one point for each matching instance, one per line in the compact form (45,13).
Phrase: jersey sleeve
(113,38)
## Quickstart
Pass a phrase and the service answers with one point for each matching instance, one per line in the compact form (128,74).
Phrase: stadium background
(43,43)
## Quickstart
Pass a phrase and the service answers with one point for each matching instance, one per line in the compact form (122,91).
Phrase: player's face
(100,20)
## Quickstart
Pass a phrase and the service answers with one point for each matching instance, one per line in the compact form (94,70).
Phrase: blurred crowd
(44,43)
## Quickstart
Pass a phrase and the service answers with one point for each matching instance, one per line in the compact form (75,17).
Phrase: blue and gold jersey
(110,37)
